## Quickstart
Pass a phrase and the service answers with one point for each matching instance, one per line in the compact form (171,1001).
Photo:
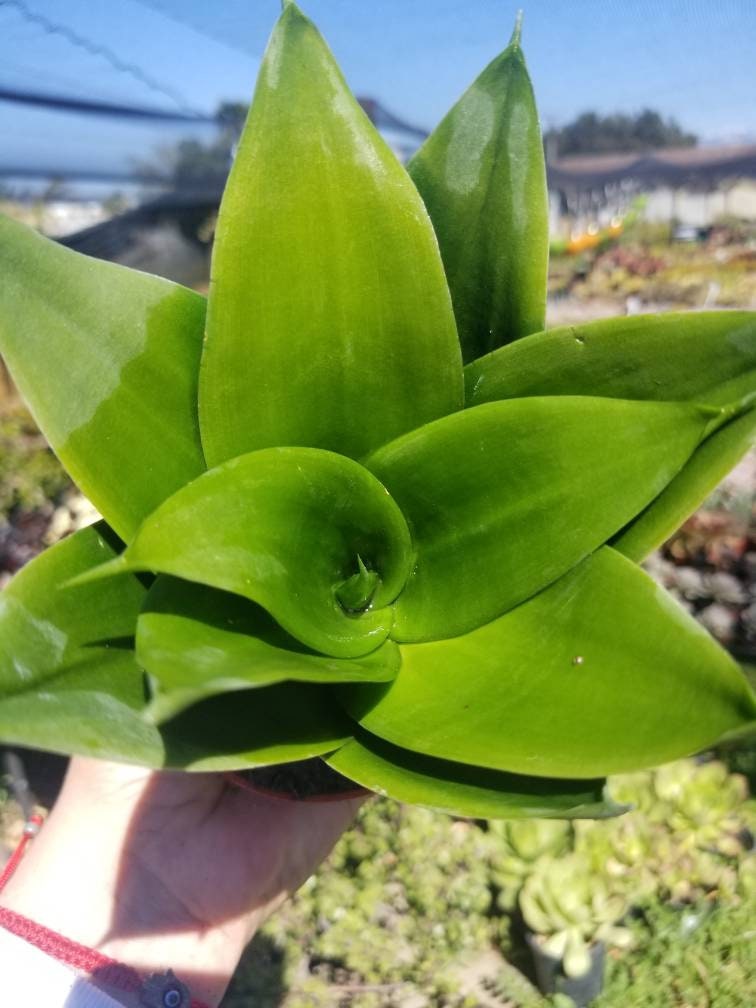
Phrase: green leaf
(329,318)
(198,641)
(481,174)
(286,528)
(107,359)
(466,790)
(709,464)
(707,357)
(601,673)
(68,679)
(237,731)
(504,498)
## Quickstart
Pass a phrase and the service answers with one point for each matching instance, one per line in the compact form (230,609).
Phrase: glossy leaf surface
(504,498)
(709,464)
(481,174)
(707,357)
(198,641)
(107,359)
(601,673)
(68,679)
(353,502)
(284,527)
(465,790)
(329,319)
(236,731)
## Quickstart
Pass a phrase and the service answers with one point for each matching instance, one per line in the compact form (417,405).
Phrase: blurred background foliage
(416,909)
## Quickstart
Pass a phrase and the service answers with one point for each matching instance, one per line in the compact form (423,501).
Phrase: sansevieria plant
(359,504)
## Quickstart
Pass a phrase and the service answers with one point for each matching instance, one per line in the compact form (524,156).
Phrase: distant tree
(191,164)
(591,133)
(56,189)
(115,204)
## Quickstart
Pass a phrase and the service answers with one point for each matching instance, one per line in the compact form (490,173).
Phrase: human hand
(169,869)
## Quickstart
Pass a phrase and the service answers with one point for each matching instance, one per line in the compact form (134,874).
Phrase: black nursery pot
(551,978)
(309,780)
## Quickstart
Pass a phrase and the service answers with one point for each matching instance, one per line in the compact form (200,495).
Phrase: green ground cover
(415,909)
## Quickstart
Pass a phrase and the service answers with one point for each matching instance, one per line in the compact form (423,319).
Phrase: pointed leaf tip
(482,176)
(516,39)
(316,226)
(356,593)
(119,565)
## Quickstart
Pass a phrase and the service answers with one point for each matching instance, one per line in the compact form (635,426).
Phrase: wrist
(89,876)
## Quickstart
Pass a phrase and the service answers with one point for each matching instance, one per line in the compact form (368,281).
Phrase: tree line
(591,133)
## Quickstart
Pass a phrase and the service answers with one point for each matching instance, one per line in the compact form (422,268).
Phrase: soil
(303,780)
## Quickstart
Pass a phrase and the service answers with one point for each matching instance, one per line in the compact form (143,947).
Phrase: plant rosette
(572,914)
(519,844)
(686,839)
(358,505)
(705,805)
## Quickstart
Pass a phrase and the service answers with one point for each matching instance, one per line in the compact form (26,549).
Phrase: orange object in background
(594,237)
(583,242)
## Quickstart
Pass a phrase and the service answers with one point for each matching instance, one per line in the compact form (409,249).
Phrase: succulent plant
(687,838)
(570,908)
(359,504)
(624,849)
(517,846)
(705,805)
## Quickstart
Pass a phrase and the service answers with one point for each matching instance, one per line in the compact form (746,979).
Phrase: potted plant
(572,914)
(357,504)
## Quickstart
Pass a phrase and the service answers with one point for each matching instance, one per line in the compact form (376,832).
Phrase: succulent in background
(687,838)
(401,859)
(569,909)
(626,850)
(359,505)
(690,875)
(705,805)
(517,846)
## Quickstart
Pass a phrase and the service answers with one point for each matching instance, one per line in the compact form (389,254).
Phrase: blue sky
(692,59)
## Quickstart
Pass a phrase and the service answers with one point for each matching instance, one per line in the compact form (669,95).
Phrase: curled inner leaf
(196,642)
(287,528)
(357,592)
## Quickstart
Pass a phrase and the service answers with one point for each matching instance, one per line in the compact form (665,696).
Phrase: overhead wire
(96,49)
(96,107)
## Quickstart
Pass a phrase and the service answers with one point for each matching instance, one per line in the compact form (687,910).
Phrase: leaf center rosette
(311,536)
(468,550)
